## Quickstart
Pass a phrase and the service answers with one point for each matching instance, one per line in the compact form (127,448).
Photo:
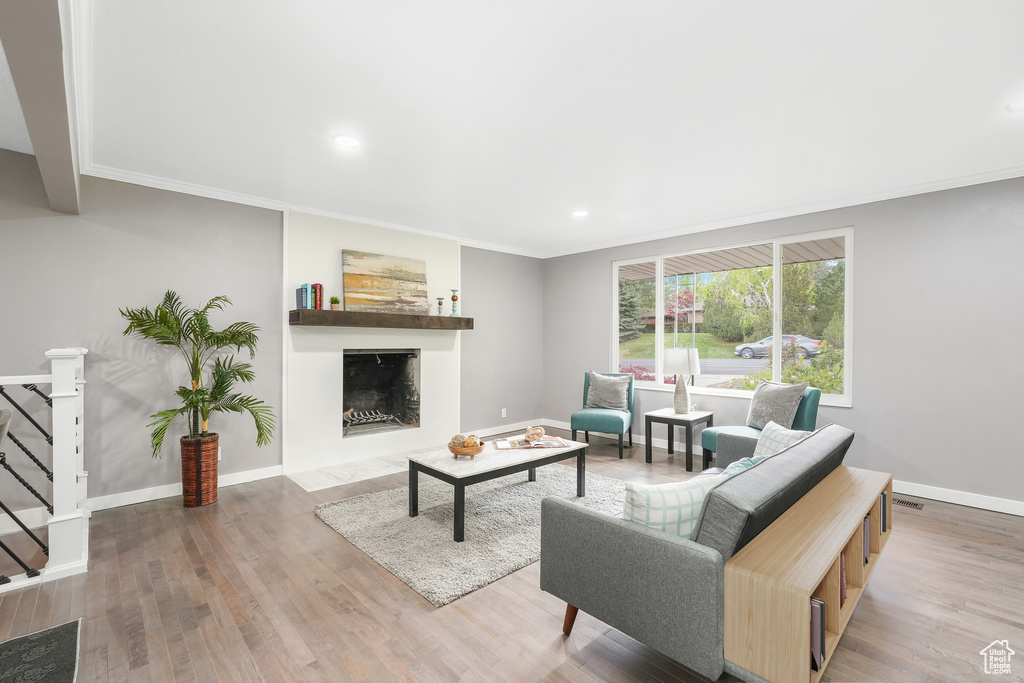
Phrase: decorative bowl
(457,451)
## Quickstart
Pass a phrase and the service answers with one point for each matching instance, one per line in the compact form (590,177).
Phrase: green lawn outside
(707,345)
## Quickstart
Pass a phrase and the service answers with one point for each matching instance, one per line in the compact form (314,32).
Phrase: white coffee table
(488,464)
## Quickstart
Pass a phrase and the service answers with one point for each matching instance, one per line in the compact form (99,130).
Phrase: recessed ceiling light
(346,142)
(580,213)
(1017,104)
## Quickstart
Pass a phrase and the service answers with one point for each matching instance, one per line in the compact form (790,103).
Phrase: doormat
(50,655)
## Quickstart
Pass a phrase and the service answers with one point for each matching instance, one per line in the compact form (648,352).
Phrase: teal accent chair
(605,420)
(806,418)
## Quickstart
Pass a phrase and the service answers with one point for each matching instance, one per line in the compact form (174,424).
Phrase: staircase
(44,521)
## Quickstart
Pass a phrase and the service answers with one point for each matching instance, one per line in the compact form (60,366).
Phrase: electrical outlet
(218,453)
(503,413)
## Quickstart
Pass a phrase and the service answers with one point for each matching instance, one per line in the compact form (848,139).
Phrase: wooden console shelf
(309,317)
(769,584)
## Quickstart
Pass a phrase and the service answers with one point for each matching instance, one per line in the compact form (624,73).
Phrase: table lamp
(682,362)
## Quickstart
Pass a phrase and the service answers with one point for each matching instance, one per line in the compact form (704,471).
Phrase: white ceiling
(493,121)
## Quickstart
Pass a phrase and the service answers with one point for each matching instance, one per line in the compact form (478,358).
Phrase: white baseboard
(70,569)
(501,429)
(33,518)
(168,490)
(974,500)
(556,423)
(116,500)
(638,437)
(250,475)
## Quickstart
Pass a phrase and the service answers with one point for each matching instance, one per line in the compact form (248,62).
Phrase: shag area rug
(502,527)
(50,655)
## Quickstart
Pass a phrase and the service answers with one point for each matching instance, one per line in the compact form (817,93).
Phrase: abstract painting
(384,284)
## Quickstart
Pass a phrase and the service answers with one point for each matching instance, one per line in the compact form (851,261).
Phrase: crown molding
(157,182)
(817,207)
(146,180)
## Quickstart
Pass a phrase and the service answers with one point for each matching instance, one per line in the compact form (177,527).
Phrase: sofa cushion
(709,436)
(774,402)
(609,392)
(672,508)
(776,438)
(743,506)
(601,420)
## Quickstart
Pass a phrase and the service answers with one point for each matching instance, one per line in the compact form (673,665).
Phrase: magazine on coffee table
(521,442)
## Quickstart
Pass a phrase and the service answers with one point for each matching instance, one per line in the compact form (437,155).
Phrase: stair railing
(67,544)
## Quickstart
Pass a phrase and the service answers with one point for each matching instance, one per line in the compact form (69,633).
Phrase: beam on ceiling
(38,47)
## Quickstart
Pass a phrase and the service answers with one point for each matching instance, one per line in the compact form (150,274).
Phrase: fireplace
(380,390)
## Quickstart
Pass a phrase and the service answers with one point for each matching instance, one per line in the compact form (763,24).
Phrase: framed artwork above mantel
(377,283)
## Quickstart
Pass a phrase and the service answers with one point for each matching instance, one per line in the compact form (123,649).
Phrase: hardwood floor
(256,588)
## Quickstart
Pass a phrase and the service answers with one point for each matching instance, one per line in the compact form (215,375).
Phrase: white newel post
(83,476)
(68,526)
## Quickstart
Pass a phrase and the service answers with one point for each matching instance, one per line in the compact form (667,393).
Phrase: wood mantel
(321,318)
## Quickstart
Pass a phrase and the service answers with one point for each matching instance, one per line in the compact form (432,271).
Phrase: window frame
(847,233)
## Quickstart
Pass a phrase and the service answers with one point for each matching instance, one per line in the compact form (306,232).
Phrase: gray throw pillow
(775,402)
(609,392)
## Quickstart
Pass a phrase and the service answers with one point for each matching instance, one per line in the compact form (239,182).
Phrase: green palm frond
(172,302)
(262,414)
(225,373)
(239,335)
(158,325)
(217,302)
(172,323)
(192,398)
(160,423)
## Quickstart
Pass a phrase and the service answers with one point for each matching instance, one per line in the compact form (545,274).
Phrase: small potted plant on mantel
(335,303)
(212,376)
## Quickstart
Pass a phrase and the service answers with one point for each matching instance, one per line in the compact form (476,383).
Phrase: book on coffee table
(521,442)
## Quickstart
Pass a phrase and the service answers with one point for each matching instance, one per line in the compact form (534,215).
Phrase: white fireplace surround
(314,356)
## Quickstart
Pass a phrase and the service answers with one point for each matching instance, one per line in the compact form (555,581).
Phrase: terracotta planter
(335,307)
(199,470)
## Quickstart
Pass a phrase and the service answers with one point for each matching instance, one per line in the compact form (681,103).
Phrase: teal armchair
(605,420)
(805,420)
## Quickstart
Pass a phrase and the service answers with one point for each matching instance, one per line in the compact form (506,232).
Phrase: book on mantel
(310,296)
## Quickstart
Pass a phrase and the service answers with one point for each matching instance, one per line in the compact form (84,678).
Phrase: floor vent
(907,503)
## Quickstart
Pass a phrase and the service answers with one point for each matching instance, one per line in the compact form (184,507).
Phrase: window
(732,304)
(636,320)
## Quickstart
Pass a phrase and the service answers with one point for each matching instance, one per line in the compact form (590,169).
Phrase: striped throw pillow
(672,508)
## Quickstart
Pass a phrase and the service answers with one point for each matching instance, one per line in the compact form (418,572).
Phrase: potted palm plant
(212,377)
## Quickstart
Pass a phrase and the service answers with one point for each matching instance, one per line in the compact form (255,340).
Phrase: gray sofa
(666,591)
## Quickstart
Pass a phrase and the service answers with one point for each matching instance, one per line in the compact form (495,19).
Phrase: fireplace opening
(380,390)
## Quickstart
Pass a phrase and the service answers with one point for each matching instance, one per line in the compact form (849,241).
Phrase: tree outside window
(726,303)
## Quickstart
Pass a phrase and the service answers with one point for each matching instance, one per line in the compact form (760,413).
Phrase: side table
(673,419)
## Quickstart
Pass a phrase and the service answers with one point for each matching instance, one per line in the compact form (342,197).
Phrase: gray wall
(63,279)
(502,357)
(932,283)
(935,285)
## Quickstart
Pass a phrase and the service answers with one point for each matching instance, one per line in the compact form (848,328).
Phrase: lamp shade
(682,362)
